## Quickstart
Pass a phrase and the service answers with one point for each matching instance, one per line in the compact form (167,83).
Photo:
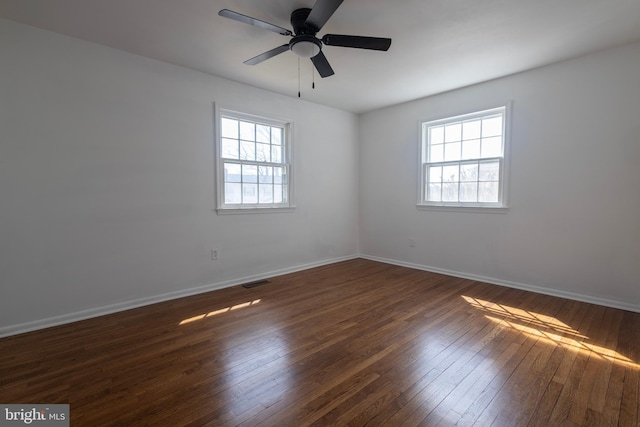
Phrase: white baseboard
(140,302)
(525,287)
(126,305)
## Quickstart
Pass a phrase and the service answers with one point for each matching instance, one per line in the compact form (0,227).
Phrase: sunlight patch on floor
(547,329)
(219,311)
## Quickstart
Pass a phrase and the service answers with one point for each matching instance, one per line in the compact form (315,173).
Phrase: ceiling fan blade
(322,65)
(360,42)
(321,12)
(268,54)
(253,21)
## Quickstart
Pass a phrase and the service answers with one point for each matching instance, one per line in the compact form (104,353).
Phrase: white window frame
(287,156)
(501,206)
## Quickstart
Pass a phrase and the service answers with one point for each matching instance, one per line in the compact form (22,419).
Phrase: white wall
(107,183)
(574,224)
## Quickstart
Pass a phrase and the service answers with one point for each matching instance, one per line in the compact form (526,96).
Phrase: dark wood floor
(354,343)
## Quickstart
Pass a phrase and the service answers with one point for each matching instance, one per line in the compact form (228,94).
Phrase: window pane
(435,174)
(492,147)
(471,149)
(232,173)
(450,173)
(263,133)
(452,151)
(468,192)
(266,194)
(492,126)
(450,192)
(247,131)
(265,174)
(278,191)
(471,130)
(436,153)
(229,148)
(249,193)
(453,132)
(276,136)
(277,175)
(488,192)
(469,172)
(249,173)
(247,150)
(263,152)
(489,171)
(276,153)
(424,150)
(232,193)
(434,193)
(229,128)
(436,135)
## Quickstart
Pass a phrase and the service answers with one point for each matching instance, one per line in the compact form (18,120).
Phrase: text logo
(41,415)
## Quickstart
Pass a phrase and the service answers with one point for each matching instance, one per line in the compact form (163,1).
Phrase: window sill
(458,208)
(252,210)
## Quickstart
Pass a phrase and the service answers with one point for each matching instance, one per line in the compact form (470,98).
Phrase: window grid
(262,183)
(463,160)
(254,160)
(476,181)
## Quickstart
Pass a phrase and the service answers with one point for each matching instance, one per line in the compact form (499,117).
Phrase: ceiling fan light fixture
(305,46)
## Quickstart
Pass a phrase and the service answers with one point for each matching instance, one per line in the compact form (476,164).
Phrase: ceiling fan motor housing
(299,22)
(304,43)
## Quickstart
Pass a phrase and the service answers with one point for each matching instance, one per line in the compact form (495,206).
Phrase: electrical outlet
(412,243)
(214,254)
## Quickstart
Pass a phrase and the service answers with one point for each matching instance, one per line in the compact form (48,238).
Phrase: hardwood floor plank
(352,343)
(544,367)
(586,379)
(436,383)
(630,348)
(574,313)
(407,334)
(570,374)
(507,405)
(596,402)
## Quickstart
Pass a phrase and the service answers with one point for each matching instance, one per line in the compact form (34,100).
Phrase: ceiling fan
(306,24)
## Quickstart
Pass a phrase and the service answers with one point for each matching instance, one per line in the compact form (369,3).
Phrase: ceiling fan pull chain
(298,77)
(313,77)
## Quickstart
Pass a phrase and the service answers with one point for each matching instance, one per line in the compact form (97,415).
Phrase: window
(253,159)
(463,160)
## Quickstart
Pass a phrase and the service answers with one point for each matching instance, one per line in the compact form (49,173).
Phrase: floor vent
(256,283)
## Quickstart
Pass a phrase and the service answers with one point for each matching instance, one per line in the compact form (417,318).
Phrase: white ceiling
(438,45)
